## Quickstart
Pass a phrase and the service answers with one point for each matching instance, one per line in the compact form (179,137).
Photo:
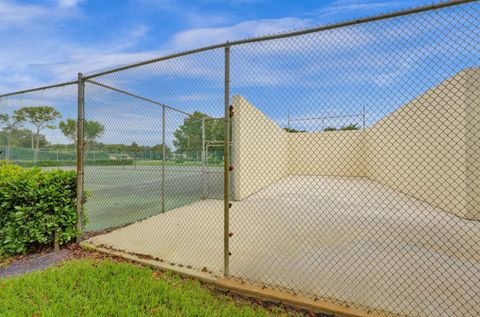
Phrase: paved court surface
(119,195)
(344,239)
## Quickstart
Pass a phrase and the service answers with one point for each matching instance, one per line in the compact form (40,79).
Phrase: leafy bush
(47,163)
(72,163)
(109,162)
(350,127)
(34,204)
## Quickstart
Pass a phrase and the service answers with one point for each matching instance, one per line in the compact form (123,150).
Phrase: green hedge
(44,163)
(72,163)
(33,205)
(109,162)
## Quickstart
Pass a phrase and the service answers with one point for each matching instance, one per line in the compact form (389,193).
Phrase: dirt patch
(22,264)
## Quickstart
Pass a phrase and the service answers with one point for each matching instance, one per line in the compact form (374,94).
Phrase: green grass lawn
(92,287)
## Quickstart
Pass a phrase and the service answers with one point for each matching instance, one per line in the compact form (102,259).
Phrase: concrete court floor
(344,239)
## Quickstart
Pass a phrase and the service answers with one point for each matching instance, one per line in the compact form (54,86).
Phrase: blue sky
(51,40)
(374,67)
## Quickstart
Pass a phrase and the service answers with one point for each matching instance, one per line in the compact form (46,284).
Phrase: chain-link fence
(35,127)
(171,106)
(339,163)
(369,196)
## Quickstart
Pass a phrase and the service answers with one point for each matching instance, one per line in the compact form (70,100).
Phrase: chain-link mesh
(355,151)
(170,108)
(34,128)
(356,164)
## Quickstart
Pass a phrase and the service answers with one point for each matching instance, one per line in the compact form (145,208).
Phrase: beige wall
(428,149)
(334,153)
(472,96)
(259,150)
(420,149)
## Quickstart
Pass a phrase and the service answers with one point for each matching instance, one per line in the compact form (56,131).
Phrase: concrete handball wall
(428,149)
(259,150)
(334,153)
(472,95)
(422,149)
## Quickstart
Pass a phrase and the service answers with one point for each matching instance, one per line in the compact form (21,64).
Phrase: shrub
(45,163)
(72,163)
(109,162)
(34,204)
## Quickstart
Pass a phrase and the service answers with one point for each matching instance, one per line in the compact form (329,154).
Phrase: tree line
(187,137)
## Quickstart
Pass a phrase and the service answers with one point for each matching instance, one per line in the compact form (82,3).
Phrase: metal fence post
(204,162)
(226,167)
(164,151)
(80,150)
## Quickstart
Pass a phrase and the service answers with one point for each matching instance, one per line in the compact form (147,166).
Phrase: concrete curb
(242,288)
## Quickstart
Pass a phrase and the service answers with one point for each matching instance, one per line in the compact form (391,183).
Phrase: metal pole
(364,119)
(204,161)
(80,150)
(226,167)
(138,97)
(164,151)
(21,92)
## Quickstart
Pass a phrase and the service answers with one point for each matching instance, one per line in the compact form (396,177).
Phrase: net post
(226,167)
(80,151)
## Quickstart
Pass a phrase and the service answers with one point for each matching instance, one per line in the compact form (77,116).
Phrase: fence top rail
(326,117)
(374,18)
(191,115)
(68,83)
(136,96)
(394,14)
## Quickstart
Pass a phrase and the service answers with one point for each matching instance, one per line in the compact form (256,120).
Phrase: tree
(92,130)
(135,148)
(69,130)
(350,127)
(327,129)
(11,123)
(21,138)
(41,117)
(291,130)
(188,136)
(158,149)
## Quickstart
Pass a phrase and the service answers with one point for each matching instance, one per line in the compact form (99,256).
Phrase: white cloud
(68,3)
(62,60)
(206,36)
(233,2)
(14,15)
(340,7)
(54,58)
(51,58)
(356,5)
